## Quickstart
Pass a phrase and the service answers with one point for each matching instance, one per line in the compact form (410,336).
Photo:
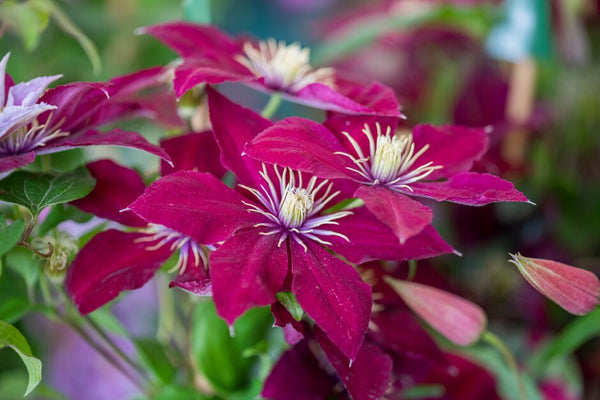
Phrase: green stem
(412,270)
(499,345)
(46,167)
(272,106)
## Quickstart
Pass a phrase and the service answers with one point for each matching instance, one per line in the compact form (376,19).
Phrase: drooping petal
(368,376)
(209,70)
(303,145)
(574,289)
(247,271)
(406,217)
(194,280)
(469,188)
(370,239)
(116,188)
(28,93)
(194,151)
(454,148)
(298,376)
(457,319)
(378,98)
(233,127)
(8,163)
(107,265)
(196,204)
(321,96)
(332,294)
(190,39)
(115,137)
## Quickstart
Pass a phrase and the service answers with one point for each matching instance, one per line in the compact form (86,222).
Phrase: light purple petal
(247,271)
(15,117)
(194,151)
(115,137)
(406,217)
(8,163)
(333,294)
(195,204)
(233,127)
(469,188)
(3,76)
(303,145)
(298,375)
(116,188)
(455,148)
(371,240)
(28,93)
(366,378)
(93,279)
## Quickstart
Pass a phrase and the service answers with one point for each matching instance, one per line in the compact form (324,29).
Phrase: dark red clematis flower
(274,230)
(212,57)
(34,122)
(388,166)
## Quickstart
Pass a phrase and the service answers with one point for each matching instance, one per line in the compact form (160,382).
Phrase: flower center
(391,161)
(189,250)
(283,67)
(292,208)
(28,137)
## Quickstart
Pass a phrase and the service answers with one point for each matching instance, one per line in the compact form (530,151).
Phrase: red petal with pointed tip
(378,98)
(574,289)
(469,188)
(233,127)
(368,377)
(194,151)
(406,217)
(247,271)
(457,319)
(116,187)
(211,70)
(195,204)
(107,265)
(453,147)
(333,294)
(303,145)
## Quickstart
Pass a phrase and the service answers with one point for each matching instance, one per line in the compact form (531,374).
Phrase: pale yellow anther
(294,207)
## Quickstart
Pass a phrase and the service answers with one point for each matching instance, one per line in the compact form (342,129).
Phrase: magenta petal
(93,279)
(211,71)
(196,205)
(371,240)
(303,145)
(406,217)
(233,127)
(333,294)
(368,376)
(323,97)
(115,137)
(455,148)
(195,280)
(194,151)
(247,271)
(8,163)
(116,187)
(190,39)
(469,188)
(378,98)
(298,376)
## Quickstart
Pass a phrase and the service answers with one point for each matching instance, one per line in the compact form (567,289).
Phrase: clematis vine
(34,121)
(271,233)
(136,255)
(212,57)
(388,166)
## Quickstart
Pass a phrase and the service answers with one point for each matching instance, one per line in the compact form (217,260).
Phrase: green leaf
(222,358)
(25,20)
(14,302)
(197,11)
(60,213)
(2,222)
(567,341)
(37,191)
(10,236)
(178,393)
(154,356)
(432,391)
(288,299)
(11,337)
(23,262)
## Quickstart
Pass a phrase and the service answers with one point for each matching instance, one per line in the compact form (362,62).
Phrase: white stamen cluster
(283,67)
(188,248)
(29,137)
(391,159)
(291,208)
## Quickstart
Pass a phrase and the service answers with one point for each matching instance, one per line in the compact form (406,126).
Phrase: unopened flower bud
(574,289)
(60,248)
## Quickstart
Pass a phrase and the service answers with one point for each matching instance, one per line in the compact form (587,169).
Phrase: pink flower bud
(457,319)
(574,289)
